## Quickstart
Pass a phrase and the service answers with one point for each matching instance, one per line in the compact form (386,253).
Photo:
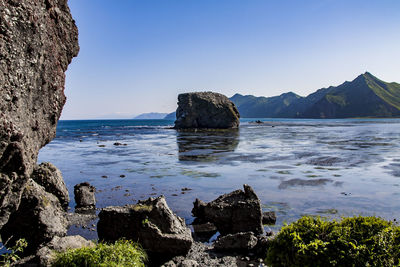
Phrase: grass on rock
(121,253)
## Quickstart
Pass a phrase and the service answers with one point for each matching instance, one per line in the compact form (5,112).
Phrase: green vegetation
(356,241)
(336,99)
(8,259)
(122,253)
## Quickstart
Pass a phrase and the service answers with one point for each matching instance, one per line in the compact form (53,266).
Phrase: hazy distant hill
(150,116)
(170,116)
(365,96)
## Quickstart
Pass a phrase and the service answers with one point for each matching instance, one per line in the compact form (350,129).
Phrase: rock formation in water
(85,197)
(206,110)
(38,39)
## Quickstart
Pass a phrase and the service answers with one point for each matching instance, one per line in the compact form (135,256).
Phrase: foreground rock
(203,231)
(150,222)
(85,198)
(236,242)
(47,254)
(206,110)
(48,176)
(38,40)
(238,211)
(202,255)
(38,219)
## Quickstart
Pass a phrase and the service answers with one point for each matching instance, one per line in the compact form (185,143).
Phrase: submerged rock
(38,219)
(85,198)
(48,176)
(238,211)
(206,110)
(38,41)
(151,222)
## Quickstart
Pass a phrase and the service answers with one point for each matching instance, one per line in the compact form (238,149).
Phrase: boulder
(48,176)
(238,211)
(240,242)
(38,219)
(85,198)
(46,255)
(206,110)
(269,217)
(203,231)
(38,41)
(151,222)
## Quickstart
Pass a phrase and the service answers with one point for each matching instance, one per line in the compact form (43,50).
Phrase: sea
(327,168)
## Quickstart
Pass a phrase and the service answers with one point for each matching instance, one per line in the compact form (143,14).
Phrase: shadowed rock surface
(269,217)
(38,39)
(238,211)
(38,219)
(151,222)
(48,176)
(206,110)
(236,242)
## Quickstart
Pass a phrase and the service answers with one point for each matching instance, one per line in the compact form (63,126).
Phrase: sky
(136,56)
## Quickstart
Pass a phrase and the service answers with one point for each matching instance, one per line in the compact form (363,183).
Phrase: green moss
(122,253)
(45,201)
(141,207)
(356,241)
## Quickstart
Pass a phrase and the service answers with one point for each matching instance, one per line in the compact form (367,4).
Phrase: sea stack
(206,110)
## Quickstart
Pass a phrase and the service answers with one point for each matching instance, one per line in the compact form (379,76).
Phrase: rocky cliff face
(206,110)
(38,39)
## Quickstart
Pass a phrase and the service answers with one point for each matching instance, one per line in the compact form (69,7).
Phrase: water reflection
(207,145)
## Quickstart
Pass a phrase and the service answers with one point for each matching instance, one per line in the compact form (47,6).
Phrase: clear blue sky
(137,55)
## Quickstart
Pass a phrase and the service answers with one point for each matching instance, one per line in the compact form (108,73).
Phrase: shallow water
(319,167)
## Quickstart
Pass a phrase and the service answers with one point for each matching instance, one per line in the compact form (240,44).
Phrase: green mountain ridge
(365,96)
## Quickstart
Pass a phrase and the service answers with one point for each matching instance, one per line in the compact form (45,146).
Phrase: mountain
(150,116)
(267,107)
(365,96)
(170,116)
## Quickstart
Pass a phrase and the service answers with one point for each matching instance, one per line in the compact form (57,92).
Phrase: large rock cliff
(38,39)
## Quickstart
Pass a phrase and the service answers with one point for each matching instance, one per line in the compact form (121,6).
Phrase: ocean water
(328,168)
